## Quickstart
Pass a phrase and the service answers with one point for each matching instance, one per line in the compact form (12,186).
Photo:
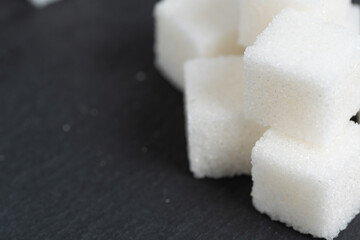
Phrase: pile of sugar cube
(270,87)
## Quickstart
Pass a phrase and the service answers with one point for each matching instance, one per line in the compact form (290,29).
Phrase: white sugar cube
(255,15)
(42,3)
(220,140)
(312,190)
(302,77)
(187,29)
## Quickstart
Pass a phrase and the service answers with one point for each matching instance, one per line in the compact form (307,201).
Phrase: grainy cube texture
(42,3)
(255,15)
(314,191)
(187,29)
(302,77)
(220,139)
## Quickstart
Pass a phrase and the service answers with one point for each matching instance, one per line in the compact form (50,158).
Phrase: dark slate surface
(89,149)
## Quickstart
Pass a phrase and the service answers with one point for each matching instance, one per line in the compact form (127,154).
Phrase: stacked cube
(306,88)
(301,83)
(187,29)
(220,138)
(314,191)
(297,85)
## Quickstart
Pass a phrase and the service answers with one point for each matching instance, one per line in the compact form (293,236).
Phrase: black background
(89,149)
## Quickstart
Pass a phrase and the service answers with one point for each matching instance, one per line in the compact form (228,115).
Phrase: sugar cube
(255,15)
(220,139)
(302,77)
(187,29)
(42,3)
(315,191)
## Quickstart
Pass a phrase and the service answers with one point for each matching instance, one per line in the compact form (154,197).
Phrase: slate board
(91,150)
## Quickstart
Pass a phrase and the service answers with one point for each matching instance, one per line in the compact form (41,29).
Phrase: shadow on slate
(88,150)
